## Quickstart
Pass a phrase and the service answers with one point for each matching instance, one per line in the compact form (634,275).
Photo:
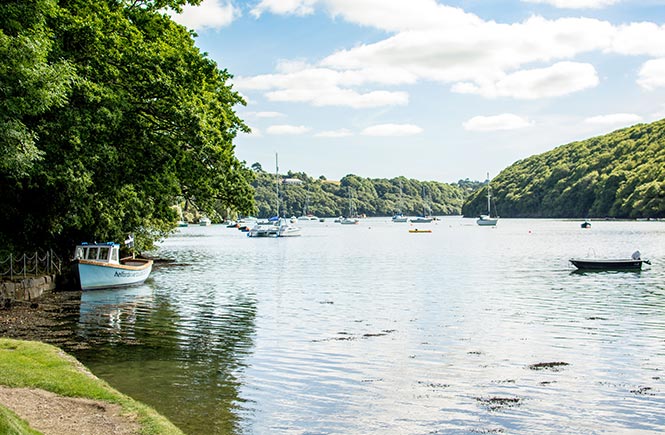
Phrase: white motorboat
(99,266)
(274,227)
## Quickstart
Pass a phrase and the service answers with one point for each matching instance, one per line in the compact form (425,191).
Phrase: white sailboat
(276,226)
(398,217)
(350,219)
(425,218)
(486,220)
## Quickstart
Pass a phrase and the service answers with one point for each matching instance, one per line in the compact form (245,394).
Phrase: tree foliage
(372,197)
(137,120)
(619,175)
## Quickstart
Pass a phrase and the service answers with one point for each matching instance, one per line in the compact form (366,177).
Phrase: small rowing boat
(416,230)
(633,263)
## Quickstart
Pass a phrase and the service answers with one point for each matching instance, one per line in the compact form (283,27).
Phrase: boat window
(114,254)
(80,253)
(104,253)
(92,253)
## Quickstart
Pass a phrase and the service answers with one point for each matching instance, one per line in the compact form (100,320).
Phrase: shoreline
(50,391)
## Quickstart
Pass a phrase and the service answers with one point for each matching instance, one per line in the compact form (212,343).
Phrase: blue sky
(429,89)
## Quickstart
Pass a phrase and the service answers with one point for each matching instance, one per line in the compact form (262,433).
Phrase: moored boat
(274,227)
(416,230)
(486,220)
(399,218)
(348,221)
(98,266)
(421,220)
(633,263)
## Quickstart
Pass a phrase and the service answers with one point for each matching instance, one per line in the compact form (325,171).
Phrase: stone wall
(27,289)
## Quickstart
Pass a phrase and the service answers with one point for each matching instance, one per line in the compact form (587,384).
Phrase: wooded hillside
(372,197)
(619,175)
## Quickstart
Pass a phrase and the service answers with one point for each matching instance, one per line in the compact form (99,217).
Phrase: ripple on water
(373,331)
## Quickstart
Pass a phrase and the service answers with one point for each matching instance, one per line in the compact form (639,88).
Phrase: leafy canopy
(619,175)
(132,119)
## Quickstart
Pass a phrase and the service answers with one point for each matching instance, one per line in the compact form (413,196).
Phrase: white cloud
(576,4)
(284,7)
(652,74)
(265,114)
(209,14)
(430,41)
(343,132)
(505,121)
(304,83)
(560,79)
(614,119)
(392,130)
(287,129)
(340,97)
(639,39)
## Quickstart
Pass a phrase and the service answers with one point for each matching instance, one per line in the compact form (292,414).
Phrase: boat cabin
(108,252)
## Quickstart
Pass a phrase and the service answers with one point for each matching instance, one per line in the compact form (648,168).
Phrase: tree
(148,121)
(30,84)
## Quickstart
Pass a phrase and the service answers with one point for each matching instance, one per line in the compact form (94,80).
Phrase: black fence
(30,265)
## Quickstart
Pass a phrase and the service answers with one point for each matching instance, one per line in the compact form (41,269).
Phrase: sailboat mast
(489,212)
(277,182)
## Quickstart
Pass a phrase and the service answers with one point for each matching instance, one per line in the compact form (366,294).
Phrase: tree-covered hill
(619,175)
(372,197)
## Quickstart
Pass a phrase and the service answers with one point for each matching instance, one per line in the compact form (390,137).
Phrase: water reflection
(373,330)
(180,355)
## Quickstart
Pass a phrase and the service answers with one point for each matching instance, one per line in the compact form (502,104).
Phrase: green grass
(37,365)
(11,424)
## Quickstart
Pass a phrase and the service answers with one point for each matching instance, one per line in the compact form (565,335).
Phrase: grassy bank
(37,365)
(11,424)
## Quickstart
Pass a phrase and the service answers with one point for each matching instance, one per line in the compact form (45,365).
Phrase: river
(369,329)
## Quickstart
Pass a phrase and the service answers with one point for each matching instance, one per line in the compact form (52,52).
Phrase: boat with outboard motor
(633,263)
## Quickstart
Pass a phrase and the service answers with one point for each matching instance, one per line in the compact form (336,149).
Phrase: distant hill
(618,175)
(300,193)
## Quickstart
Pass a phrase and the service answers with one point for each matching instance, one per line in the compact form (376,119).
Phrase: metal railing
(30,265)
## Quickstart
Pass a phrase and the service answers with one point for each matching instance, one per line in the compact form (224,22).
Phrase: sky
(427,89)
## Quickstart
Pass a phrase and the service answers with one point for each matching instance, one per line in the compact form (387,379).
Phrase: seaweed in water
(496,403)
(554,366)
(642,391)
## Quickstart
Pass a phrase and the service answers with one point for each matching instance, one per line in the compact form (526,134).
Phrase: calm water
(368,329)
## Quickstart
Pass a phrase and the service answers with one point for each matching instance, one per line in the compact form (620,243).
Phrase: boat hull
(486,221)
(586,264)
(94,275)
(421,220)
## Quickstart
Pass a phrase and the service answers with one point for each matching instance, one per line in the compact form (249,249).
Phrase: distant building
(294,181)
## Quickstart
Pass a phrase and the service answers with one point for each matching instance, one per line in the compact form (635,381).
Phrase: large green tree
(146,121)
(30,85)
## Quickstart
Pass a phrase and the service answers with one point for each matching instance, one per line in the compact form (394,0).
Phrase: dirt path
(57,415)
